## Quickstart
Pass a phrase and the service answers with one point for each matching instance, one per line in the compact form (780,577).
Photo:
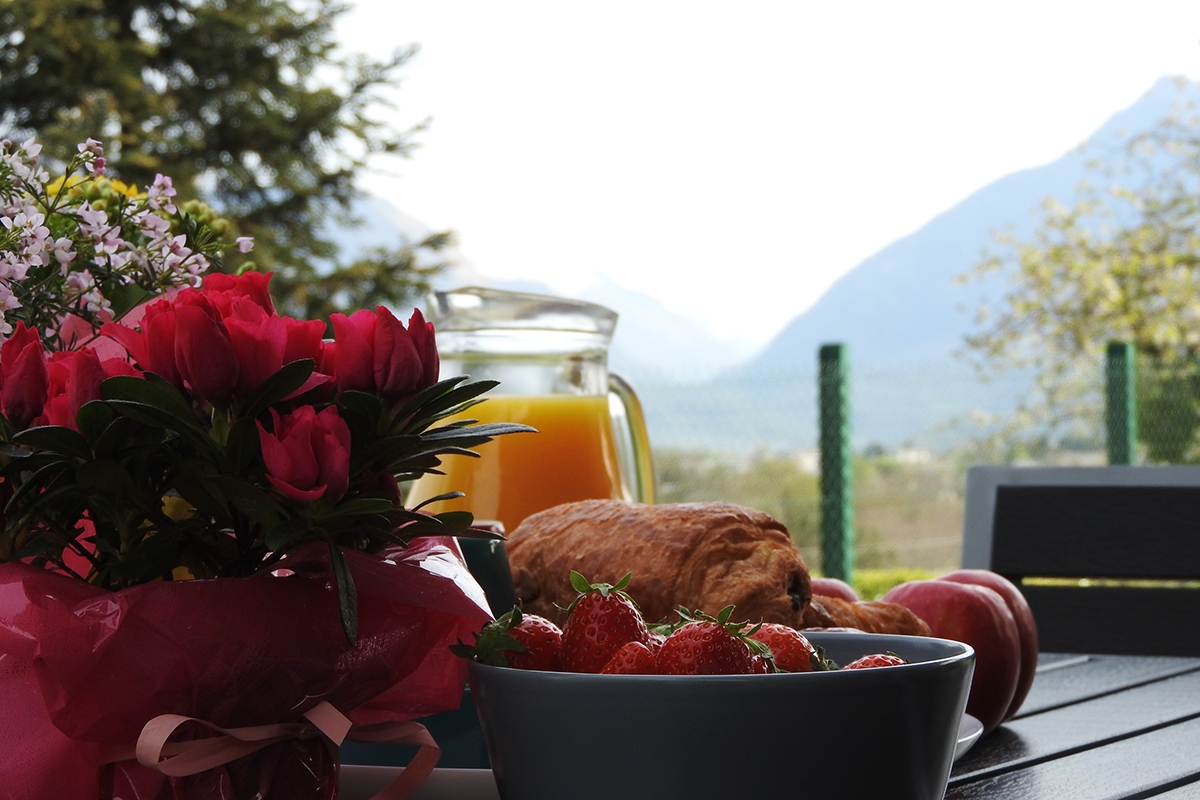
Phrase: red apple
(1026,626)
(833,587)
(978,616)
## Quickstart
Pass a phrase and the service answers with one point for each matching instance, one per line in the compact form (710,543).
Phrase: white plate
(969,731)
(363,782)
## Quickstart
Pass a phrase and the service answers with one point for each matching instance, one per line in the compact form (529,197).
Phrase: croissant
(701,556)
(872,616)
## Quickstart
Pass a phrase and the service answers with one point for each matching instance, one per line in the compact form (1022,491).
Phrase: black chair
(1108,557)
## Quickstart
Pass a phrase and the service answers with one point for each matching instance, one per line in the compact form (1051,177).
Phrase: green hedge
(871,584)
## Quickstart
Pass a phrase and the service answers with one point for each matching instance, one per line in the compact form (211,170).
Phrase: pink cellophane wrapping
(83,669)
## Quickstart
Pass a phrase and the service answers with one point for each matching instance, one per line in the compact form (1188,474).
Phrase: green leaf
(167,421)
(152,391)
(114,437)
(384,452)
(449,523)
(580,583)
(55,439)
(12,451)
(485,431)
(106,477)
(433,398)
(364,403)
(151,415)
(286,380)
(205,497)
(55,502)
(363,505)
(249,499)
(442,400)
(439,498)
(93,419)
(241,447)
(30,461)
(284,536)
(347,596)
(123,296)
(37,482)
(492,641)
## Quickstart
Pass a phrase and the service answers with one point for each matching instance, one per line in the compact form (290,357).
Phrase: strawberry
(761,665)
(542,641)
(705,645)
(600,621)
(634,658)
(876,660)
(791,651)
(522,641)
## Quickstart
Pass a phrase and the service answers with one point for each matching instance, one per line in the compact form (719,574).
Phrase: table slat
(1041,737)
(1131,768)
(1097,676)
(1188,791)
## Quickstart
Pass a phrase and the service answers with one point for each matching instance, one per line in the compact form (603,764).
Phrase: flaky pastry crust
(697,555)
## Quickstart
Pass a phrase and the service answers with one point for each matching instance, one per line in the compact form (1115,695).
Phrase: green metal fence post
(837,471)
(1120,402)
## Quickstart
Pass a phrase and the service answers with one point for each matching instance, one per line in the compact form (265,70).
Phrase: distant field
(906,515)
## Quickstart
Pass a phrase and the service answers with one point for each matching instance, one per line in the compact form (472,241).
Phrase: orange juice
(573,456)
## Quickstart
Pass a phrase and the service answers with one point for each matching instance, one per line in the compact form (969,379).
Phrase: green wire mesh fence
(755,438)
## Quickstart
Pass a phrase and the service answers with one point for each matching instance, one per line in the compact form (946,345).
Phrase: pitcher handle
(640,459)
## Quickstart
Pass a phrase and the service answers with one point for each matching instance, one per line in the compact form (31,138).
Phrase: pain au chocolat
(702,556)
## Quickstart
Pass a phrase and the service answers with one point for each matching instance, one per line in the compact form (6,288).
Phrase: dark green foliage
(167,487)
(246,104)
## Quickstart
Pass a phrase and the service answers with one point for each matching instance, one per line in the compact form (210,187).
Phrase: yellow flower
(56,185)
(129,191)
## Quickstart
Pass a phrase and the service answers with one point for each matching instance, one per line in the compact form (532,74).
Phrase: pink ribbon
(177,759)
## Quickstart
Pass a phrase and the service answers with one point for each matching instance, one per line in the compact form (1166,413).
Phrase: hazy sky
(735,158)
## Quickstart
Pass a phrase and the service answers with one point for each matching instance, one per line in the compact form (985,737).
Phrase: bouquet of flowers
(200,507)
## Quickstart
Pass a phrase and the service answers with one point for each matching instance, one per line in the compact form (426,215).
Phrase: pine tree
(247,102)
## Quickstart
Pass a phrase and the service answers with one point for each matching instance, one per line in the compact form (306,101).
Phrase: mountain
(900,312)
(902,304)
(681,344)
(902,316)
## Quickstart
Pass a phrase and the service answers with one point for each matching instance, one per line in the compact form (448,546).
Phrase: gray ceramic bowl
(857,734)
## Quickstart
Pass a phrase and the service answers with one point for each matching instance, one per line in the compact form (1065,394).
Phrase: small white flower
(92,146)
(159,194)
(64,253)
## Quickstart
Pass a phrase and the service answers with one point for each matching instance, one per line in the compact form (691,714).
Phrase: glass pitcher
(550,355)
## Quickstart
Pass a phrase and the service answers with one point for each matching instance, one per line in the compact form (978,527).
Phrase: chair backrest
(1108,557)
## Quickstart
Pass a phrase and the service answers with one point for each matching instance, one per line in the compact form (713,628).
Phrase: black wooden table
(1094,727)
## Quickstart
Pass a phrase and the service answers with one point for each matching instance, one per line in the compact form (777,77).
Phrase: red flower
(308,455)
(186,343)
(75,377)
(423,340)
(204,355)
(25,379)
(374,352)
(259,341)
(221,289)
(153,347)
(305,339)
